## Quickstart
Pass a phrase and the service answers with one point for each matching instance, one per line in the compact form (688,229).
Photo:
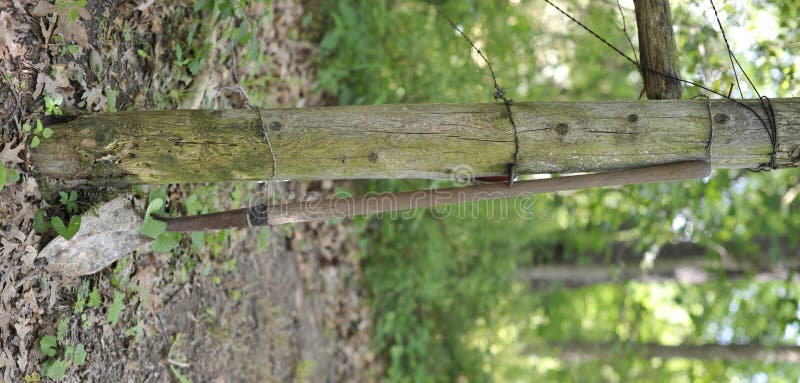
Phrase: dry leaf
(10,155)
(28,257)
(101,240)
(8,38)
(44,8)
(95,100)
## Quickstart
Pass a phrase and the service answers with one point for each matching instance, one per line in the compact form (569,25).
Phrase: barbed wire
(770,125)
(499,93)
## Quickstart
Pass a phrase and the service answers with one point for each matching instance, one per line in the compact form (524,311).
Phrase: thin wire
(625,31)
(770,125)
(499,93)
(730,53)
(265,133)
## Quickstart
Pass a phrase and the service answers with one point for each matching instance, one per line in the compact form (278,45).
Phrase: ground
(276,304)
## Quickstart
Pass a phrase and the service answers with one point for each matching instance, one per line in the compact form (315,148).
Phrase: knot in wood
(721,118)
(275,126)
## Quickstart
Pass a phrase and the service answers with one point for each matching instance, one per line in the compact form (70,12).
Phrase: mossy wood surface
(410,141)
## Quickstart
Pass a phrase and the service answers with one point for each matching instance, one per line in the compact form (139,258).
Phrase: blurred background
(691,281)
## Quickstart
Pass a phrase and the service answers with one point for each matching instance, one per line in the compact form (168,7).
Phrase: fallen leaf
(28,257)
(102,239)
(95,100)
(8,38)
(10,155)
(44,8)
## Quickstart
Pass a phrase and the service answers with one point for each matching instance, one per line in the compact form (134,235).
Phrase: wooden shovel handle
(345,207)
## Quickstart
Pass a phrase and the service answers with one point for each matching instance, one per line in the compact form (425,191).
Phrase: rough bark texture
(411,141)
(581,351)
(657,50)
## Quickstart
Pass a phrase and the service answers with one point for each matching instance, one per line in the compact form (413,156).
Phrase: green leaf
(48,345)
(13,176)
(26,127)
(34,142)
(40,224)
(116,308)
(68,351)
(154,206)
(70,230)
(178,375)
(80,301)
(39,127)
(94,298)
(61,329)
(47,132)
(57,369)
(152,227)
(79,358)
(166,242)
(3,177)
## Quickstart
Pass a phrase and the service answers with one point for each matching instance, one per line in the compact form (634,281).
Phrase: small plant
(40,132)
(69,201)
(8,177)
(175,360)
(70,8)
(55,367)
(157,229)
(52,105)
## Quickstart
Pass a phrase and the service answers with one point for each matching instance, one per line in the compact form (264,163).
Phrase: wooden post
(657,49)
(410,141)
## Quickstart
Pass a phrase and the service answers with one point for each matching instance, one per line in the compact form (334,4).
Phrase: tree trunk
(410,141)
(675,263)
(587,351)
(657,51)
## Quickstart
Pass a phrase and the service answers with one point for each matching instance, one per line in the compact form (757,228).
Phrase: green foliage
(48,345)
(69,201)
(80,355)
(52,105)
(157,229)
(173,357)
(444,303)
(116,307)
(56,367)
(70,8)
(38,133)
(94,298)
(152,227)
(430,277)
(69,230)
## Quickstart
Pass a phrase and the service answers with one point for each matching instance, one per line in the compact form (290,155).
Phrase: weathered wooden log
(658,54)
(411,141)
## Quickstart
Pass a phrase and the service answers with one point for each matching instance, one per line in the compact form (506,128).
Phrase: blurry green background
(479,299)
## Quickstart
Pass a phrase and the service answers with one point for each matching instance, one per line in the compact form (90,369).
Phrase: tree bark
(586,351)
(681,264)
(410,141)
(657,50)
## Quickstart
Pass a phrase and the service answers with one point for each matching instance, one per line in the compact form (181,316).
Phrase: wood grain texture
(657,49)
(410,141)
